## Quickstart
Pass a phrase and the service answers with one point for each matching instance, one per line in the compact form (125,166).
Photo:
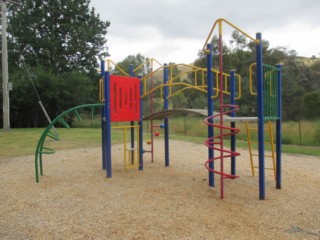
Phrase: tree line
(53,52)
(54,47)
(300,83)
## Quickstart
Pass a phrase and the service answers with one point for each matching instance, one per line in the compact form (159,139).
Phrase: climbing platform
(202,112)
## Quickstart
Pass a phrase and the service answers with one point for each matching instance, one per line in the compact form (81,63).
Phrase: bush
(286,140)
(316,135)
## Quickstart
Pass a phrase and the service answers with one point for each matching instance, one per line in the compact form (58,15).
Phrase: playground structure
(122,102)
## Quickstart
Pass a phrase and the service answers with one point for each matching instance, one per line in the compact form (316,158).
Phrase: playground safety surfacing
(74,200)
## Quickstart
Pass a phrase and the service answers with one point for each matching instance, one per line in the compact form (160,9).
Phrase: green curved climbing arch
(49,133)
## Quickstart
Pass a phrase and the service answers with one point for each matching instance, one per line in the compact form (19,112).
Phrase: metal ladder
(271,142)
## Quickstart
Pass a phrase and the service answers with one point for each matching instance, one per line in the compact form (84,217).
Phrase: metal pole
(221,121)
(233,124)
(107,123)
(260,116)
(103,124)
(141,128)
(210,111)
(279,130)
(166,120)
(132,122)
(5,90)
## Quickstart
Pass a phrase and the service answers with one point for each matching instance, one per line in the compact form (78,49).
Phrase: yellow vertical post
(250,148)
(125,146)
(272,148)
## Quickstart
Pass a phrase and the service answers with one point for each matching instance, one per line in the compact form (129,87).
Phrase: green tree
(311,104)
(134,61)
(239,40)
(55,91)
(315,75)
(56,44)
(58,35)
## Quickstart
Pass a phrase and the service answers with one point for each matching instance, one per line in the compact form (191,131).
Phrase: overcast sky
(175,30)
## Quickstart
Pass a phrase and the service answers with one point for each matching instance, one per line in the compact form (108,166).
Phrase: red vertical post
(221,107)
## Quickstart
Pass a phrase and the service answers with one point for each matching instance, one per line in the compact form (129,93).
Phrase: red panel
(124,98)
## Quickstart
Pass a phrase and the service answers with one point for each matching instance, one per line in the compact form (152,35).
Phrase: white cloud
(175,30)
(297,36)
(150,42)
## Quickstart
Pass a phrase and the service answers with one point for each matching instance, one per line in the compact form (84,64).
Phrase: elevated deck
(203,112)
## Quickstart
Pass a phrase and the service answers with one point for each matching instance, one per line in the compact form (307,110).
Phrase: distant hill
(308,61)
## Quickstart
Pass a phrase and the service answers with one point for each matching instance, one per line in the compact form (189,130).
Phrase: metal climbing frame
(41,149)
(122,103)
(268,104)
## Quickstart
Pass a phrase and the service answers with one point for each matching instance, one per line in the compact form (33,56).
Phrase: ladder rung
(264,142)
(256,129)
(269,168)
(264,168)
(256,155)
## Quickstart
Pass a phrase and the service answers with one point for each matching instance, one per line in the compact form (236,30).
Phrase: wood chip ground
(75,200)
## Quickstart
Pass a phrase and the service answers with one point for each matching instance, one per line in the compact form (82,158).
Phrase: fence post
(300,133)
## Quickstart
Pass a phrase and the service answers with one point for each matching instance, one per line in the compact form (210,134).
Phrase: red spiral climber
(216,142)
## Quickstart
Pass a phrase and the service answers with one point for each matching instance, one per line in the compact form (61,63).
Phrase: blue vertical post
(107,123)
(141,128)
(132,122)
(166,120)
(210,110)
(279,130)
(233,124)
(260,97)
(103,126)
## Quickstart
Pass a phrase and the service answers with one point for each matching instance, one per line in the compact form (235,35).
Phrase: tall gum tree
(62,35)
(56,43)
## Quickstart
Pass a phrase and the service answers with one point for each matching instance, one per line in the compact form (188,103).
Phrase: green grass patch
(304,133)
(21,142)
(292,149)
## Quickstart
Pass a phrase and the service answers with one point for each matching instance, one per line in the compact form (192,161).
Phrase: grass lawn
(20,142)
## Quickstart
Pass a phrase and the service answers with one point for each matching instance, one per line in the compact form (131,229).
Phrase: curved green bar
(43,150)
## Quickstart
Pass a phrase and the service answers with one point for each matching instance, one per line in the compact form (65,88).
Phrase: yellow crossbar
(219,22)
(150,62)
(109,62)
